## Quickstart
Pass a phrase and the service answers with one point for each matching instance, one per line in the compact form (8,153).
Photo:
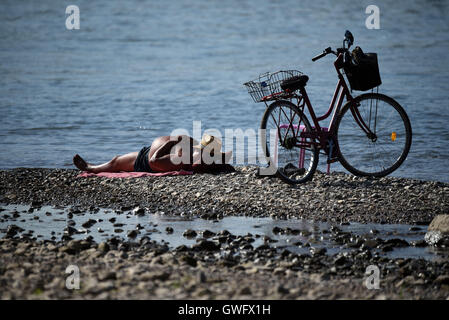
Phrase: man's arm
(165,148)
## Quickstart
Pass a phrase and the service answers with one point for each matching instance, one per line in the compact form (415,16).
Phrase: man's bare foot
(80,163)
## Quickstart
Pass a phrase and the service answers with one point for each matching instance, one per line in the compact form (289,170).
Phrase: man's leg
(118,163)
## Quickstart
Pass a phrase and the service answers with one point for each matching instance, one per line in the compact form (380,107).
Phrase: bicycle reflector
(393,136)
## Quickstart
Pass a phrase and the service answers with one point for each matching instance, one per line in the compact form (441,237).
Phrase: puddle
(49,223)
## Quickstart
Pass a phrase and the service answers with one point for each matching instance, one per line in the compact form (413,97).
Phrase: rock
(133,233)
(118,225)
(74,246)
(103,247)
(317,251)
(182,248)
(282,290)
(169,230)
(206,246)
(409,281)
(340,260)
(139,211)
(395,242)
(419,243)
(224,233)
(189,260)
(279,271)
(89,223)
(95,287)
(202,277)
(370,243)
(207,234)
(245,291)
(70,230)
(12,230)
(442,279)
(109,275)
(277,230)
(189,233)
(438,231)
(440,223)
(263,247)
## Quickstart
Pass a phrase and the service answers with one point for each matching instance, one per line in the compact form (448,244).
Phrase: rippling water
(138,69)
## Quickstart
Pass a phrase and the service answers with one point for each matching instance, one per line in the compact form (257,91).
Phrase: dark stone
(396,242)
(263,247)
(205,245)
(207,234)
(89,223)
(340,260)
(103,247)
(189,233)
(419,243)
(182,248)
(70,230)
(12,230)
(139,211)
(277,230)
(191,261)
(133,233)
(317,251)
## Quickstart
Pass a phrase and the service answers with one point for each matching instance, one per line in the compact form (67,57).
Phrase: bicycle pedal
(290,169)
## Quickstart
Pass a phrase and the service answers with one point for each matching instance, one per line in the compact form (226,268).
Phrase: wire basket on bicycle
(268,86)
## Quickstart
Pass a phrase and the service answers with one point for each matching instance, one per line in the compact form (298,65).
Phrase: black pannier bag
(362,70)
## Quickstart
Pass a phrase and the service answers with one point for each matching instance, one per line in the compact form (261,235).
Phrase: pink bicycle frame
(341,92)
(323,134)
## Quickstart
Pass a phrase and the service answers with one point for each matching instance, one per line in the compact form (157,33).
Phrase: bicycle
(370,135)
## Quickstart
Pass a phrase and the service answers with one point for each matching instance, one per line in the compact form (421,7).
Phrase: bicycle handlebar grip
(319,56)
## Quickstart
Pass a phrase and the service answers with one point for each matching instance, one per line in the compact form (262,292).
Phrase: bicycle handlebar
(319,56)
(325,52)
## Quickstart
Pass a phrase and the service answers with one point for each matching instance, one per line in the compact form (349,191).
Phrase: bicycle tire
(357,152)
(312,157)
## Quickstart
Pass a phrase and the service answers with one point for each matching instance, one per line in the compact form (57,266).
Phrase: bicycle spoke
(296,164)
(387,150)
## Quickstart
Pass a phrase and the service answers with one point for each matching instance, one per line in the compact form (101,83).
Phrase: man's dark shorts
(142,164)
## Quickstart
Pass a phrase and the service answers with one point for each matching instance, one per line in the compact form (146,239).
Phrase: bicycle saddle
(294,83)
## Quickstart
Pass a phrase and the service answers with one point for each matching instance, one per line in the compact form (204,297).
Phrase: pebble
(189,233)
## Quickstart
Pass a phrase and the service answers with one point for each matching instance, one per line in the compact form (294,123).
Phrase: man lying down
(168,153)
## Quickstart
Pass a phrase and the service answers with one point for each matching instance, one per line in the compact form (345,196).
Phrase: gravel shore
(336,197)
(223,265)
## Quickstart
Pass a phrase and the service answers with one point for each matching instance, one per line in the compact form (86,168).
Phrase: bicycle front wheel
(294,157)
(378,155)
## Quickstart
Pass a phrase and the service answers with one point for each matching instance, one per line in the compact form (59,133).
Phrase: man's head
(210,147)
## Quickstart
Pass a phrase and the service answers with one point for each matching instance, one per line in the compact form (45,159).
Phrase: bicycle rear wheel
(373,156)
(294,157)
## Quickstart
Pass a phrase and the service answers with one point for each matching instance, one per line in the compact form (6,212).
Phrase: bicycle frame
(319,133)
